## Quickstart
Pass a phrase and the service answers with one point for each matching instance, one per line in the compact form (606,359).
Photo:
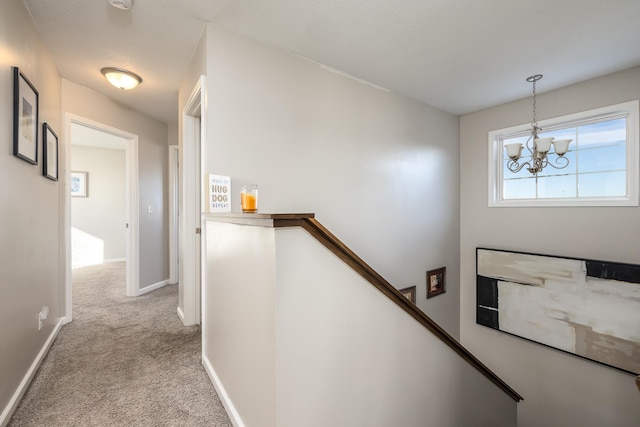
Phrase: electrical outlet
(44,313)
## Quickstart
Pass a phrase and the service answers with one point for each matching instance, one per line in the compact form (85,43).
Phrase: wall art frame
(436,282)
(409,293)
(25,118)
(79,184)
(586,308)
(49,152)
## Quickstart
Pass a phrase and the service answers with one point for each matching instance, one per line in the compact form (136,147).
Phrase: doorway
(100,135)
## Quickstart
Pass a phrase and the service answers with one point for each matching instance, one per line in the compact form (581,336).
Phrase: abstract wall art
(583,307)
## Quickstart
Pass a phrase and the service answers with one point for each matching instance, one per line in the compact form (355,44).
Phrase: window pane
(520,188)
(554,159)
(554,187)
(609,158)
(520,139)
(523,173)
(506,173)
(603,184)
(603,133)
(568,133)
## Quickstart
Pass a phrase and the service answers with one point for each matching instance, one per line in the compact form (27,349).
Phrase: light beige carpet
(123,361)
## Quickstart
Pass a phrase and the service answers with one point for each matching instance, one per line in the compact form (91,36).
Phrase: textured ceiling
(457,55)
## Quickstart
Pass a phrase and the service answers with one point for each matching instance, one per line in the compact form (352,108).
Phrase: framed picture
(80,184)
(436,282)
(409,293)
(25,118)
(49,152)
(583,307)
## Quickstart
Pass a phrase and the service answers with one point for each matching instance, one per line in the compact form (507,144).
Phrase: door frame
(174,212)
(132,206)
(191,247)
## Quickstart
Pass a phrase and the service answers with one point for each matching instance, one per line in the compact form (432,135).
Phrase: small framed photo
(436,282)
(49,152)
(409,293)
(80,184)
(25,118)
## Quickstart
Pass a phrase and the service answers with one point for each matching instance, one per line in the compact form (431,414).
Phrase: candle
(249,198)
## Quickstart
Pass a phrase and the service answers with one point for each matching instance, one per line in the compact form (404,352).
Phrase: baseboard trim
(222,394)
(114,260)
(26,380)
(180,314)
(152,287)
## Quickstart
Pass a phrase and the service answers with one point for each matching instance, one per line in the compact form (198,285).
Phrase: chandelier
(538,147)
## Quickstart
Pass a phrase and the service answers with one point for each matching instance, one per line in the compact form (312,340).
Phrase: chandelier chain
(535,120)
(534,125)
(538,148)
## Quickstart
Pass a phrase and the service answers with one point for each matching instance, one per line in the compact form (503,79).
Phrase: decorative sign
(218,193)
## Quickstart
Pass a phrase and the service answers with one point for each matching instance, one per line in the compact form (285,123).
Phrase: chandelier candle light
(538,147)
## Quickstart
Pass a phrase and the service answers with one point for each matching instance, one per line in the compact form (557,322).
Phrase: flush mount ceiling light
(121,4)
(538,147)
(120,78)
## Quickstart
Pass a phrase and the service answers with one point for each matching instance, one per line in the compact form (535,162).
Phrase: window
(603,162)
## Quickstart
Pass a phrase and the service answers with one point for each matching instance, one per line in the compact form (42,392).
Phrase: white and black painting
(584,307)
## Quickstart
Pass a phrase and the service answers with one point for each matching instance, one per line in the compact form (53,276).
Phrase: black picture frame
(25,118)
(436,282)
(49,152)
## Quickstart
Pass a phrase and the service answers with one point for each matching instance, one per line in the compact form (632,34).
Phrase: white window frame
(630,110)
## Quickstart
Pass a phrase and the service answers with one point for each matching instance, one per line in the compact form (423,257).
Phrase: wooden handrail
(331,242)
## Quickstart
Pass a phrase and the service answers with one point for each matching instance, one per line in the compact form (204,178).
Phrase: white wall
(239,324)
(152,171)
(378,169)
(102,214)
(30,214)
(558,389)
(295,337)
(347,356)
(172,134)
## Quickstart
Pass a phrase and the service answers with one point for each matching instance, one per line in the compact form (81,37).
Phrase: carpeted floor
(121,362)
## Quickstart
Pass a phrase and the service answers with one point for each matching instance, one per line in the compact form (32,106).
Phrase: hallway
(121,362)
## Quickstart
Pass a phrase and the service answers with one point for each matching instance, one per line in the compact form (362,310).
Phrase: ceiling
(457,55)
